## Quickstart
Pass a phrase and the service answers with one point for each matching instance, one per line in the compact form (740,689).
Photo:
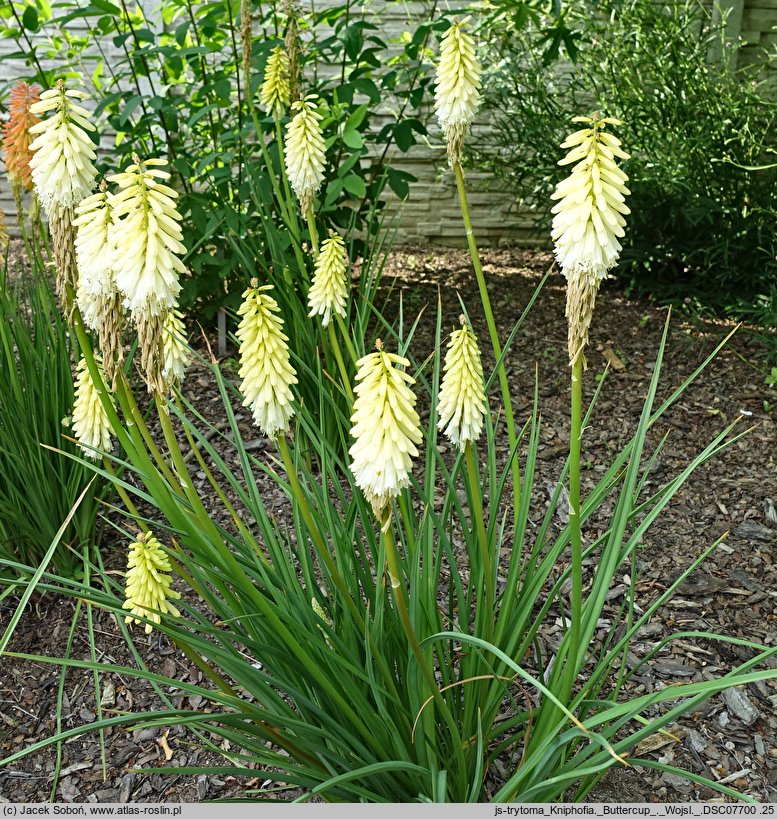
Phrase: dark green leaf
(30,18)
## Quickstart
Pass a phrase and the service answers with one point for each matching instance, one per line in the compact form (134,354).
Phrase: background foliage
(177,89)
(40,486)
(702,223)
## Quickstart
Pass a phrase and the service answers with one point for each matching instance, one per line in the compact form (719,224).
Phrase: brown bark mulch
(731,739)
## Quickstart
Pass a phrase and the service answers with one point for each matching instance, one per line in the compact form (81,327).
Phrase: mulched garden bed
(732,739)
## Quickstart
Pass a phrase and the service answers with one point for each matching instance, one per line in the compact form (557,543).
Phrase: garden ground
(731,739)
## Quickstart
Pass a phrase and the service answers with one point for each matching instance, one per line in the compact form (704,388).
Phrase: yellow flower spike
(330,287)
(90,421)
(386,428)
(17,136)
(176,351)
(457,87)
(264,362)
(462,402)
(148,582)
(94,255)
(305,151)
(63,152)
(146,237)
(589,220)
(4,237)
(275,93)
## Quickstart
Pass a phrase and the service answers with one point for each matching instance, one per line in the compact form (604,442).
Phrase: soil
(731,739)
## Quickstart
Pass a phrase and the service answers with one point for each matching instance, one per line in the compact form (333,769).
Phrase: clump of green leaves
(39,486)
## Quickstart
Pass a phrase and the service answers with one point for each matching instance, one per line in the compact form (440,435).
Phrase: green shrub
(178,90)
(701,223)
(39,486)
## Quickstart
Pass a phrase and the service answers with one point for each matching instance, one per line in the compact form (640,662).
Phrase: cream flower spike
(62,168)
(457,87)
(386,428)
(90,421)
(146,238)
(330,287)
(176,351)
(589,220)
(96,283)
(264,362)
(305,151)
(462,402)
(148,580)
(275,94)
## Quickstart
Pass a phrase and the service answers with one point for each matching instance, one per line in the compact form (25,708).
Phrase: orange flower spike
(16,132)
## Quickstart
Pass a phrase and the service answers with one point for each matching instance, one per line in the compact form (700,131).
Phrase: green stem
(346,338)
(340,363)
(311,220)
(494,334)
(576,542)
(282,158)
(476,502)
(122,493)
(399,593)
(206,524)
(285,205)
(242,528)
(132,411)
(312,527)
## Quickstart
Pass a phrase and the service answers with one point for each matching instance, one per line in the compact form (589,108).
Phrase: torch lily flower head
(589,220)
(386,428)
(176,352)
(148,582)
(305,151)
(589,216)
(265,366)
(16,134)
(146,237)
(330,287)
(63,151)
(457,87)
(94,254)
(462,402)
(90,421)
(275,94)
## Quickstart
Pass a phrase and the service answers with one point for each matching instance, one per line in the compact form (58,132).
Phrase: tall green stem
(346,337)
(399,593)
(311,219)
(494,334)
(282,158)
(318,539)
(576,600)
(476,502)
(340,363)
